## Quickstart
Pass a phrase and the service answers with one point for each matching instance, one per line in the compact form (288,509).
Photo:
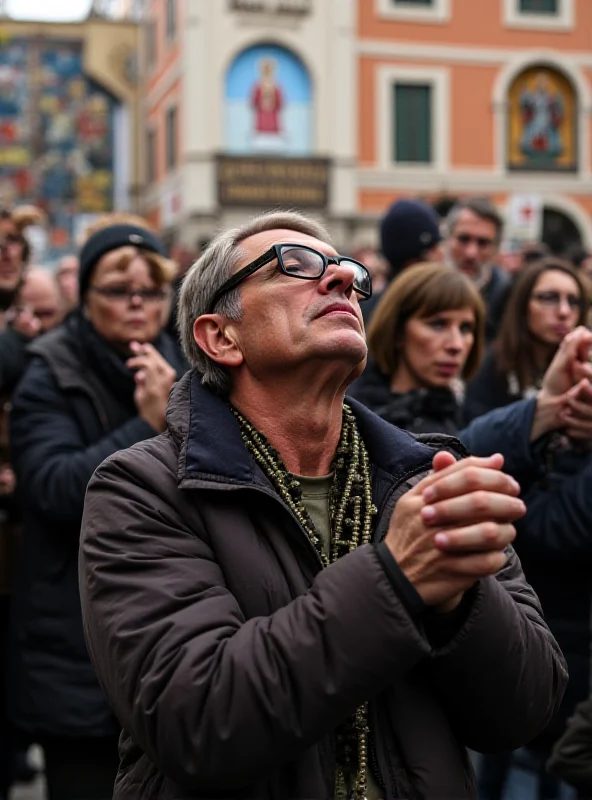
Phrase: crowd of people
(166,599)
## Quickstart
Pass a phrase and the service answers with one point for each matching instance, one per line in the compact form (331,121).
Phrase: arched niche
(268,103)
(542,121)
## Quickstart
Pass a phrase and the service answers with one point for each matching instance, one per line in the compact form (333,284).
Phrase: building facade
(341,106)
(249,104)
(459,97)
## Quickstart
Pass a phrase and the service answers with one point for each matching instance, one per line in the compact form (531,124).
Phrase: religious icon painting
(542,120)
(268,103)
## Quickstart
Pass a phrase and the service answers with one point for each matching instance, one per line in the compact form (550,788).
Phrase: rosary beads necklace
(352,515)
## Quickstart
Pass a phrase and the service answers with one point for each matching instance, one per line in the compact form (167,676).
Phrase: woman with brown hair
(548,301)
(426,337)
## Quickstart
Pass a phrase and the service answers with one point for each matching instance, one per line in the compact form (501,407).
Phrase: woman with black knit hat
(97,384)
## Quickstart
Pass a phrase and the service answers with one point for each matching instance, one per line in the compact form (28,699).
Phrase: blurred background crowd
(447,146)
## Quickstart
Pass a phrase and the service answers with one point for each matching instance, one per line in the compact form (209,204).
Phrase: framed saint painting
(542,122)
(268,108)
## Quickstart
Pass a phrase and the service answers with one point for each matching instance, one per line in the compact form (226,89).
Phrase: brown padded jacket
(229,656)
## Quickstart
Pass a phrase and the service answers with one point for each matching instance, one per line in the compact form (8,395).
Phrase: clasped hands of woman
(565,400)
(154,378)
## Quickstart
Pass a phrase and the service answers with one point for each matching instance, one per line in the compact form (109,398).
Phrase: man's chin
(351,355)
(349,345)
(356,371)
(472,271)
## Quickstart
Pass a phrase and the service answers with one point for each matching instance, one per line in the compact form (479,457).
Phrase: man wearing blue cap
(409,234)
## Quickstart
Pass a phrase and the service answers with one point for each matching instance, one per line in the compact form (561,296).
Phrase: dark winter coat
(14,359)
(495,295)
(230,656)
(571,759)
(67,417)
(13,362)
(419,411)
(489,389)
(554,539)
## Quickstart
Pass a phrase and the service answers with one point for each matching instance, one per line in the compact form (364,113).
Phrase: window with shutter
(413,123)
(539,6)
(171,138)
(151,44)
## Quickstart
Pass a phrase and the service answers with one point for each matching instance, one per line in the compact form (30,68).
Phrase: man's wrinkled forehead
(254,246)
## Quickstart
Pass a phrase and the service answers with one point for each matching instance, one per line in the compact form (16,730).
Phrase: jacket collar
(56,349)
(211,448)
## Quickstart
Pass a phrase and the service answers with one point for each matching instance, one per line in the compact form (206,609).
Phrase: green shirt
(315,497)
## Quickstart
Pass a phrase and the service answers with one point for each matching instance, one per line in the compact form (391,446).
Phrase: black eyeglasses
(481,241)
(298,261)
(554,299)
(125,293)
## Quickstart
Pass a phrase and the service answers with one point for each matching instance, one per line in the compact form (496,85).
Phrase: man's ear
(217,337)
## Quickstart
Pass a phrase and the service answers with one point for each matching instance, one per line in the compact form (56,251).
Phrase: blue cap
(407,230)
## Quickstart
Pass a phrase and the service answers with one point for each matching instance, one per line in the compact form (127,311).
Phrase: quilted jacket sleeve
(183,669)
(521,671)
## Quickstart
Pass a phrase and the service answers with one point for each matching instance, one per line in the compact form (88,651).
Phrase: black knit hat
(408,229)
(107,239)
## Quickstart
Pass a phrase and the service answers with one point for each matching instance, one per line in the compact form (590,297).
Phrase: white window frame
(439,80)
(439,13)
(563,21)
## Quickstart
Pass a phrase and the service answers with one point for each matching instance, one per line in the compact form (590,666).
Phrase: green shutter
(539,6)
(171,138)
(413,123)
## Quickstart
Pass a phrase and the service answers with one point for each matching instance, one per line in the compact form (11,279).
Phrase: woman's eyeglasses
(554,299)
(299,261)
(125,294)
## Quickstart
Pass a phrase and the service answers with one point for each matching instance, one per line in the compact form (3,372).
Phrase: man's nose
(472,249)
(338,276)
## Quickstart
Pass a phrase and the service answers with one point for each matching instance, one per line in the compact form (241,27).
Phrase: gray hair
(480,206)
(219,261)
